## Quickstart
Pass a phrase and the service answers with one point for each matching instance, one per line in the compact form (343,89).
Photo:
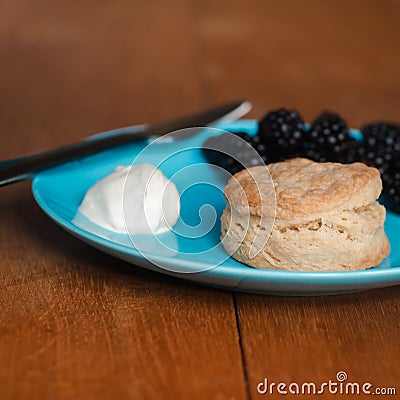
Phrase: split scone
(326,217)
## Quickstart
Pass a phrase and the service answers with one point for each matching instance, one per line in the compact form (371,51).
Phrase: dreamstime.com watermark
(340,385)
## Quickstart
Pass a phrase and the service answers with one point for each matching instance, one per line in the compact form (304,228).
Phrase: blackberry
(391,186)
(381,145)
(282,131)
(259,146)
(350,152)
(375,156)
(235,151)
(328,140)
(383,133)
(392,198)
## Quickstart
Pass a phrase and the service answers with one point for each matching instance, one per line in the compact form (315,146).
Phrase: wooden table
(77,324)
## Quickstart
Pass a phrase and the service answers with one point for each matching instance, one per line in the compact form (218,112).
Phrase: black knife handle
(25,167)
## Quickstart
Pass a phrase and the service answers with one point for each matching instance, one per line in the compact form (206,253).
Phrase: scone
(326,216)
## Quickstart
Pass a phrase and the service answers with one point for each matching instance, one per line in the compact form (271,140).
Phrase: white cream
(138,199)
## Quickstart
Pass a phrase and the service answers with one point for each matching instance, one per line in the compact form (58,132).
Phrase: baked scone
(326,216)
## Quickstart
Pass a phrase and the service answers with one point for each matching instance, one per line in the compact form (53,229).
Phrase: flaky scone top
(304,189)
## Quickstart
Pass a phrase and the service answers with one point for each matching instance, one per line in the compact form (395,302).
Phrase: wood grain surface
(77,324)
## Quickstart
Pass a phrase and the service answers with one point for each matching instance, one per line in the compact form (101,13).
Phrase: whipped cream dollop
(136,199)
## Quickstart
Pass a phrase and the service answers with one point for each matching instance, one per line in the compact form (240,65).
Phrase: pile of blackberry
(235,151)
(282,134)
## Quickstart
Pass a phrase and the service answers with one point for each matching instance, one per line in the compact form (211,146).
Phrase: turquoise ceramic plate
(60,190)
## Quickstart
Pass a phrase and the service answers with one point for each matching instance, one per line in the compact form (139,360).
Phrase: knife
(19,169)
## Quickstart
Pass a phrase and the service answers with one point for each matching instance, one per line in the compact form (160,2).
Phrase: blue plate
(192,252)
